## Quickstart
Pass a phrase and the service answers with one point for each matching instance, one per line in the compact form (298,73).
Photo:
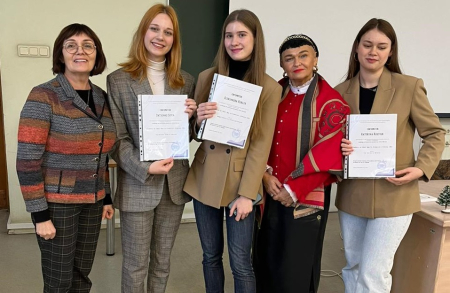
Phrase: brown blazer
(220,173)
(405,96)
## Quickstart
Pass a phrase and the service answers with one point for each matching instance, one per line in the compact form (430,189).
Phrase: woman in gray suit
(149,194)
(375,214)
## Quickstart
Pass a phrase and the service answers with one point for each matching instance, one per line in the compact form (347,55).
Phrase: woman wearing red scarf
(304,160)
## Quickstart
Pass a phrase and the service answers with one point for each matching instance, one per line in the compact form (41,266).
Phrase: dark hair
(387,29)
(295,41)
(76,29)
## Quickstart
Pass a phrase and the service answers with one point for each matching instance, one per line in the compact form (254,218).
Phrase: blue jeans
(370,246)
(239,236)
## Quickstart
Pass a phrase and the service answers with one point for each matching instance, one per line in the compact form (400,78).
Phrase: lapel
(384,95)
(141,87)
(351,96)
(78,102)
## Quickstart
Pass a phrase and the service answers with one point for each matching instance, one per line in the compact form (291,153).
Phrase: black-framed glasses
(72,47)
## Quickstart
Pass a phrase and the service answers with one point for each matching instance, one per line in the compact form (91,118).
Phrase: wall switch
(23,51)
(34,51)
(44,51)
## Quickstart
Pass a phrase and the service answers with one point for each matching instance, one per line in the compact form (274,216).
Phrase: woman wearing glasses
(65,133)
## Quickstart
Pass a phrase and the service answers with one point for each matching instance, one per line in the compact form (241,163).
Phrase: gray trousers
(67,259)
(147,241)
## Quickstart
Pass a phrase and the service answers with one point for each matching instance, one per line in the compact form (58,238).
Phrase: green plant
(444,197)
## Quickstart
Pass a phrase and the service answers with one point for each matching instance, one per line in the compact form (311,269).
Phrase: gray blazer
(138,191)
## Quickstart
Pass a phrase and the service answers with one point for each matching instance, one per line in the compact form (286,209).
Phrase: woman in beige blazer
(222,173)
(149,194)
(375,214)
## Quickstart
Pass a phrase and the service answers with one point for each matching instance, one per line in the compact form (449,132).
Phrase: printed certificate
(373,138)
(163,127)
(236,104)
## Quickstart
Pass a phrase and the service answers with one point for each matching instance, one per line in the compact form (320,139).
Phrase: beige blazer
(220,173)
(405,96)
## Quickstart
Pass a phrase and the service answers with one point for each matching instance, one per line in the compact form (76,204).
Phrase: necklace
(155,82)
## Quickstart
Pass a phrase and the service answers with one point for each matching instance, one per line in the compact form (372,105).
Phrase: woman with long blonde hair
(149,194)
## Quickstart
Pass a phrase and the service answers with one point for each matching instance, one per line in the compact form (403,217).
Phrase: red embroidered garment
(322,160)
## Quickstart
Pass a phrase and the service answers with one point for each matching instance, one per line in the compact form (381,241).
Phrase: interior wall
(422,29)
(30,22)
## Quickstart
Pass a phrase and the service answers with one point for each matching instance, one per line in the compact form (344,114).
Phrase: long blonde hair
(137,62)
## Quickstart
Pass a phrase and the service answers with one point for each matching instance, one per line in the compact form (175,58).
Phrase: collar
(300,90)
(158,66)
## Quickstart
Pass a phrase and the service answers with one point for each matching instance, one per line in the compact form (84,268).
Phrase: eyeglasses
(72,47)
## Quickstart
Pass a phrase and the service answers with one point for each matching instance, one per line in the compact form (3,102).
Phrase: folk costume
(306,157)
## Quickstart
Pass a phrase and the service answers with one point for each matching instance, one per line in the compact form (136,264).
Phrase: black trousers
(67,259)
(288,251)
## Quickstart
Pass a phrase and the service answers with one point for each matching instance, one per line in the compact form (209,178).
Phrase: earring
(388,61)
(284,74)
(316,68)
(355,56)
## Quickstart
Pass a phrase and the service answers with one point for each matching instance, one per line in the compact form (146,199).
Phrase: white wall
(422,27)
(33,22)
(422,30)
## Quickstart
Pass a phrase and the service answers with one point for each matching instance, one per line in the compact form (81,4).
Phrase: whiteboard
(422,27)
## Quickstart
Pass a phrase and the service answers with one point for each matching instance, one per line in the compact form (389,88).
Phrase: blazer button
(96,159)
(95,175)
(100,144)
(212,146)
(228,151)
(100,126)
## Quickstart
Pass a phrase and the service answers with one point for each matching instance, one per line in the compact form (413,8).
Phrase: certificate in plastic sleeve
(373,138)
(163,127)
(236,104)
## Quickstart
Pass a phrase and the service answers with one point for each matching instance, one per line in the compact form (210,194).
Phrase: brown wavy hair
(137,62)
(257,68)
(76,29)
(386,28)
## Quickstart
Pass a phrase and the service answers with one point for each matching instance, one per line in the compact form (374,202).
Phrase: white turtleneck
(156,76)
(300,90)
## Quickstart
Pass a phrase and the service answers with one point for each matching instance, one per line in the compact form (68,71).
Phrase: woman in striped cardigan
(65,133)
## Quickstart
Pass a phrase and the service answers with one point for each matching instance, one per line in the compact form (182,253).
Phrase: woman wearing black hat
(310,124)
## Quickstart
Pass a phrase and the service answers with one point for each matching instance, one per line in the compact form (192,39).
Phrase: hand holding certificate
(163,127)
(236,104)
(373,138)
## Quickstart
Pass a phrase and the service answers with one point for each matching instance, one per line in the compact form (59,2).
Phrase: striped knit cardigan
(63,146)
